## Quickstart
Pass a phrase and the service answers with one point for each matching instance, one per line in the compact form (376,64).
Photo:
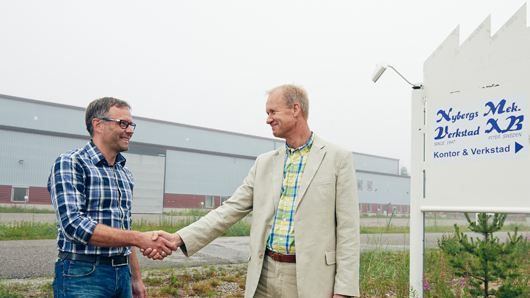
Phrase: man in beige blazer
(304,240)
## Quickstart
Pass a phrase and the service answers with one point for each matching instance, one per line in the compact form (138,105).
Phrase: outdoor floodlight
(380,69)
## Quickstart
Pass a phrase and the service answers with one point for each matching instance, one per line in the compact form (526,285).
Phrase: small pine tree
(485,261)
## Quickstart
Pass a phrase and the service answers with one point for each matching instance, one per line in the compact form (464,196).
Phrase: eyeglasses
(123,123)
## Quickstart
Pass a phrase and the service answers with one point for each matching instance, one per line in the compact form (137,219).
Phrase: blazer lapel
(314,160)
(277,176)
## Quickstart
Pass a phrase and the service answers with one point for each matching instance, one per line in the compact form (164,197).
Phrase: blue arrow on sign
(518,147)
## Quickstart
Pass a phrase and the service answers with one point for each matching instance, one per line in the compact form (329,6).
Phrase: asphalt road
(35,258)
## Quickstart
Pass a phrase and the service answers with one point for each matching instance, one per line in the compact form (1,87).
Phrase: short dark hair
(99,108)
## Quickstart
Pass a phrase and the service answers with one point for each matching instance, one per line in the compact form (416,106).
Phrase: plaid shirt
(86,191)
(281,238)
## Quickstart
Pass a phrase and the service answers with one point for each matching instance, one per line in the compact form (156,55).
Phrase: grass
(26,288)
(386,274)
(382,274)
(241,228)
(187,212)
(9,292)
(433,229)
(24,209)
(27,230)
(175,220)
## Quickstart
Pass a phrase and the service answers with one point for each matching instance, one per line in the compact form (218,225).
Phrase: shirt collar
(307,145)
(97,157)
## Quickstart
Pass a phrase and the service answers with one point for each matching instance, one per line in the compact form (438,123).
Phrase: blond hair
(293,94)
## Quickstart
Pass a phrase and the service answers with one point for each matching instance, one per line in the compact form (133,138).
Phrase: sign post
(417,221)
(470,135)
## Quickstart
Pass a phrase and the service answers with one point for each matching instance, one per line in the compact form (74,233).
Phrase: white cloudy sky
(210,62)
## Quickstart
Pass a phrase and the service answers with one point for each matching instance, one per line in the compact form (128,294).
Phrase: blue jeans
(83,279)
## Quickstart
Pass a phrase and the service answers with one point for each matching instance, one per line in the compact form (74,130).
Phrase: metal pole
(417,192)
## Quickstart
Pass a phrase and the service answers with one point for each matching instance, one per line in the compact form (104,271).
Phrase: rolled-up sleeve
(66,185)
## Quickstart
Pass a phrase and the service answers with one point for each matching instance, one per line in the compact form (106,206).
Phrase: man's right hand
(174,239)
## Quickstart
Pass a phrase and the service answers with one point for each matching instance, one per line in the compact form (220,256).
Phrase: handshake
(157,245)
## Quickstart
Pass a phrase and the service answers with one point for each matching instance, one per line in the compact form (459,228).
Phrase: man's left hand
(138,288)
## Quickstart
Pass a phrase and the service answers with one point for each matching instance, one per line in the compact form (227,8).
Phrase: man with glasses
(91,191)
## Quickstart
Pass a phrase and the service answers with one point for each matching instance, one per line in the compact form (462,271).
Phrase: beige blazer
(326,220)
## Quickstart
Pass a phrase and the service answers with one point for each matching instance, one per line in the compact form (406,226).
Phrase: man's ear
(97,125)
(297,109)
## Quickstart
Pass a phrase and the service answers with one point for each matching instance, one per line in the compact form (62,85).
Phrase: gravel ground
(41,286)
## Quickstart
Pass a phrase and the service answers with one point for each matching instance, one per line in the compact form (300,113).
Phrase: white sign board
(478,126)
(476,149)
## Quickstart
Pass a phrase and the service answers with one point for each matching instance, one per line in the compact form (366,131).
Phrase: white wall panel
(372,163)
(148,173)
(26,159)
(204,174)
(384,188)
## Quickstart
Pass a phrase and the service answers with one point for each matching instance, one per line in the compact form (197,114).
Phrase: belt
(115,261)
(278,257)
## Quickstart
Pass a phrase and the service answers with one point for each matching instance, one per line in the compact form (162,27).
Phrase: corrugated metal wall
(198,161)
(54,118)
(383,189)
(365,162)
(206,174)
(42,116)
(148,173)
(26,159)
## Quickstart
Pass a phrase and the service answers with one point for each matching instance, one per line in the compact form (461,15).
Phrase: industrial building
(174,165)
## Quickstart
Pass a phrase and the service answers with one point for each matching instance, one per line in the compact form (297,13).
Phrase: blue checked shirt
(86,191)
(281,238)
